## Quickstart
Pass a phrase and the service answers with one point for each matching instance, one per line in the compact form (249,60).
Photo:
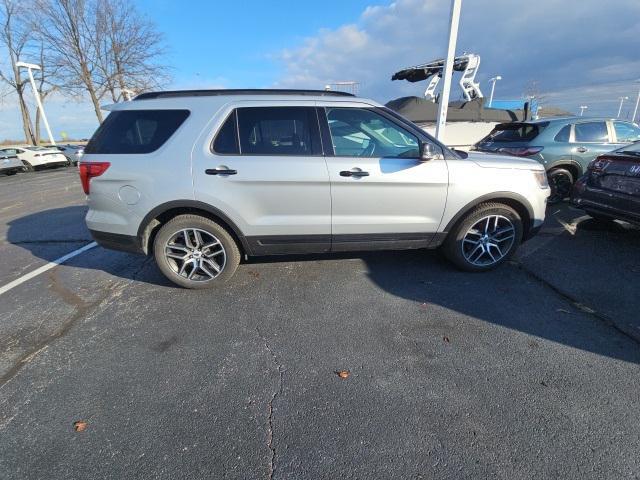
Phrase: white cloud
(566,46)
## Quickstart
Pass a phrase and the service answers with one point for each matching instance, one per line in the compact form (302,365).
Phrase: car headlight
(541,178)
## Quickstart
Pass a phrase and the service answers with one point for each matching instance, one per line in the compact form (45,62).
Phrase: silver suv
(200,179)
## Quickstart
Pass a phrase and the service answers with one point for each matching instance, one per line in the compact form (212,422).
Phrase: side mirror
(428,151)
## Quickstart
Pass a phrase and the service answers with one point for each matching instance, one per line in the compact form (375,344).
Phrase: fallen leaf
(254,274)
(343,373)
(562,310)
(79,426)
(446,339)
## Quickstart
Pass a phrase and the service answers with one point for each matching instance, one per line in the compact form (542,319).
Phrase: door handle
(220,171)
(582,149)
(353,173)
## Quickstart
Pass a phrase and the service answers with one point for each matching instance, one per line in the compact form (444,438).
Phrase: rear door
(263,167)
(383,195)
(590,139)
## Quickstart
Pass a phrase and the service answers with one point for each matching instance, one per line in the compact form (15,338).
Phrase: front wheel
(560,182)
(195,252)
(485,238)
(27,166)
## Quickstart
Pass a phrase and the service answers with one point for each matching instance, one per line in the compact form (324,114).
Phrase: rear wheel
(485,238)
(195,252)
(560,181)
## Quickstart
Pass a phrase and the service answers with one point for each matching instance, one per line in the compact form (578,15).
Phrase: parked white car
(37,157)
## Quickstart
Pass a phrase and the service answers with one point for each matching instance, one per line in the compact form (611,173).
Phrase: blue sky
(235,42)
(578,51)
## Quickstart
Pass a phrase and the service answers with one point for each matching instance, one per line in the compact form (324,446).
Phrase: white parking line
(44,268)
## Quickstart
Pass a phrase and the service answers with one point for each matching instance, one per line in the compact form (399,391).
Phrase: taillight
(521,151)
(88,170)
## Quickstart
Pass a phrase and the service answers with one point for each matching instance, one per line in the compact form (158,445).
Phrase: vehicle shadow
(507,297)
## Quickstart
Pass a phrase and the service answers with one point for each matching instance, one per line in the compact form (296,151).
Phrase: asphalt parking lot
(530,371)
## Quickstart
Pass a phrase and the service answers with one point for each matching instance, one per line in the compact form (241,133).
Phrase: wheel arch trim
(493,197)
(147,221)
(564,163)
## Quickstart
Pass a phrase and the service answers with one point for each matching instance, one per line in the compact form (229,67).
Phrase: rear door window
(626,132)
(278,131)
(591,132)
(135,131)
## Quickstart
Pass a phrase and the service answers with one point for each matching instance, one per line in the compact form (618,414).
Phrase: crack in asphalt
(81,309)
(275,394)
(576,303)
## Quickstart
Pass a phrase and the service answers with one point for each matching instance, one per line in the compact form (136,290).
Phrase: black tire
(11,172)
(561,182)
(27,166)
(456,248)
(206,228)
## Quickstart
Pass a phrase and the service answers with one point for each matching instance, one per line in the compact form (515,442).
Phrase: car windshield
(514,132)
(633,149)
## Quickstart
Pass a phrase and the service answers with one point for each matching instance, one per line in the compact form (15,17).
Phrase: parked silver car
(201,178)
(10,164)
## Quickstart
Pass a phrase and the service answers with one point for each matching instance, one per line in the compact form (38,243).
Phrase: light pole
(30,67)
(622,99)
(583,108)
(493,87)
(456,5)
(635,110)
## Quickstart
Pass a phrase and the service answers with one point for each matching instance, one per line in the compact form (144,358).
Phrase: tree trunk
(26,119)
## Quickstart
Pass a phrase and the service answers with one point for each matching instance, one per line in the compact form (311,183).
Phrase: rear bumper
(116,241)
(611,204)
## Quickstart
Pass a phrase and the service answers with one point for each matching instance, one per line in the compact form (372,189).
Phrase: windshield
(36,149)
(633,149)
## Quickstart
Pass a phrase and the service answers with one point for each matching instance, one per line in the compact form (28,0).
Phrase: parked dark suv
(611,187)
(565,146)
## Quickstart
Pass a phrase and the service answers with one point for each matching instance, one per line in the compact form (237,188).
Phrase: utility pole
(622,99)
(30,67)
(493,87)
(456,5)
(635,110)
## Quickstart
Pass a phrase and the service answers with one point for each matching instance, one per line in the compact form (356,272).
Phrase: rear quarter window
(135,131)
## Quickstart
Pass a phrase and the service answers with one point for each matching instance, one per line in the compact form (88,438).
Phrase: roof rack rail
(249,91)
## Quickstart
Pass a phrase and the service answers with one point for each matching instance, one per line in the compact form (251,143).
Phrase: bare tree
(15,37)
(68,28)
(129,50)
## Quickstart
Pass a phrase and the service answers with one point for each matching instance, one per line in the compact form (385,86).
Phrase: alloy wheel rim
(488,240)
(195,254)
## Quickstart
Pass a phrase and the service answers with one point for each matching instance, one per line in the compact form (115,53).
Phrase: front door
(383,195)
(265,170)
